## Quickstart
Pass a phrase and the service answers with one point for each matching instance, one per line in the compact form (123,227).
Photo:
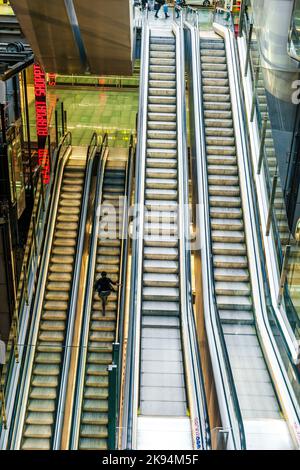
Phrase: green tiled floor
(102,111)
(113,112)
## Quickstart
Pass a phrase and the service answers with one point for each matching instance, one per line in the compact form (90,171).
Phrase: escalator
(160,395)
(40,412)
(279,203)
(261,413)
(90,425)
(36,412)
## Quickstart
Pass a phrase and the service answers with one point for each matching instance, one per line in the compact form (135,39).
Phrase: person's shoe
(167,16)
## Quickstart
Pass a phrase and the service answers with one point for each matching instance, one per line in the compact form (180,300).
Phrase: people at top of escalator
(104,287)
(179,4)
(158,5)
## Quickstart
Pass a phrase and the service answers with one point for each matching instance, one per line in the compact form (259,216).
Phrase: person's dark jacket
(104,284)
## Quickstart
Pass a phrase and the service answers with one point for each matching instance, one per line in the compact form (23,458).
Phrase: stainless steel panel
(106,32)
(47,27)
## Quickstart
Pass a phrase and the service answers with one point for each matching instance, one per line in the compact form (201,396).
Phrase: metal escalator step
(161,116)
(36,444)
(229,248)
(56,295)
(230,302)
(160,308)
(160,253)
(47,358)
(224,201)
(46,369)
(161,144)
(95,405)
(220,178)
(93,393)
(223,191)
(51,336)
(41,393)
(160,280)
(41,406)
(40,419)
(58,286)
(36,431)
(92,444)
(161,153)
(93,431)
(162,125)
(227,224)
(102,336)
(160,240)
(222,150)
(55,305)
(231,275)
(226,212)
(99,370)
(230,237)
(160,193)
(58,268)
(45,381)
(161,266)
(221,160)
(234,288)
(236,317)
(53,315)
(103,325)
(94,418)
(161,293)
(161,163)
(97,381)
(99,358)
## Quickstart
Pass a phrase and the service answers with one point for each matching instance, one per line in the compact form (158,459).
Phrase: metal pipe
(248,48)
(254,93)
(25,283)
(262,143)
(112,406)
(272,198)
(34,235)
(284,272)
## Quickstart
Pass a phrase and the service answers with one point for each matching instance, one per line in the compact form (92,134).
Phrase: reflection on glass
(294,35)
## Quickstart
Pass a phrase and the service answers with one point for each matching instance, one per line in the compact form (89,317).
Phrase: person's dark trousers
(158,8)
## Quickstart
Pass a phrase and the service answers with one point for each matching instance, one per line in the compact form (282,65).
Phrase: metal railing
(287,250)
(130,400)
(193,368)
(116,368)
(35,311)
(236,429)
(99,165)
(92,152)
(28,277)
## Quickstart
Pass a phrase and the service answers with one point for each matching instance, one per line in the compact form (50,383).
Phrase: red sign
(40,92)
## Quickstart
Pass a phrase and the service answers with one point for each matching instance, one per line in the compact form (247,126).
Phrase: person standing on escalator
(104,287)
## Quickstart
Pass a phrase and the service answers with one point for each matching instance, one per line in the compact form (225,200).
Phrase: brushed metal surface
(47,28)
(106,32)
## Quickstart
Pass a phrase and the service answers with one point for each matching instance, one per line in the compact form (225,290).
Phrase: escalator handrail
(71,315)
(35,311)
(130,404)
(193,368)
(213,311)
(293,405)
(23,320)
(100,163)
(124,244)
(261,265)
